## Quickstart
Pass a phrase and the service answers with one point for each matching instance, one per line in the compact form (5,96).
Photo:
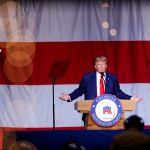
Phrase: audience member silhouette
(22,145)
(73,145)
(133,138)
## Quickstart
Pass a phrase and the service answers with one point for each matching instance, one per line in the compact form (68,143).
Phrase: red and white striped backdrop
(35,36)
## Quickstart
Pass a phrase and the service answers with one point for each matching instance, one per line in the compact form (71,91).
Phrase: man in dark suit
(90,87)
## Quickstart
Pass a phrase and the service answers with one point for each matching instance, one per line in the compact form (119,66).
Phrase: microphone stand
(57,71)
(53,93)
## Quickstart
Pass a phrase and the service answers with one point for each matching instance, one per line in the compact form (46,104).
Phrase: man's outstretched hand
(64,97)
(136,99)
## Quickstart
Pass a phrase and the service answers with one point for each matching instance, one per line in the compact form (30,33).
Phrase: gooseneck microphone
(102,74)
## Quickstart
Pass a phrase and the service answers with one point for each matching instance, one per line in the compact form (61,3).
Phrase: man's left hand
(136,99)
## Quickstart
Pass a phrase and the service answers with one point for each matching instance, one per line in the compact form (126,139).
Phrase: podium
(84,106)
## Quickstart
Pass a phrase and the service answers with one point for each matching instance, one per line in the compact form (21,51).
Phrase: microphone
(102,74)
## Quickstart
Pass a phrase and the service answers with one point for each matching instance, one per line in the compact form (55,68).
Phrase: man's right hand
(65,97)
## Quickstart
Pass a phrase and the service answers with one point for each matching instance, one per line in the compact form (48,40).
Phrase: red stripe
(147,127)
(129,60)
(7,129)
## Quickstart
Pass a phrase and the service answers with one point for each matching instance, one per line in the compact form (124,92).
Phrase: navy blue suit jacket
(88,87)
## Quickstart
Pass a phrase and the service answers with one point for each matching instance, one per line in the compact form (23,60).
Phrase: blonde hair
(100,58)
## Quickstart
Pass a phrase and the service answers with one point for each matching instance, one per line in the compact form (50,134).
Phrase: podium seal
(106,110)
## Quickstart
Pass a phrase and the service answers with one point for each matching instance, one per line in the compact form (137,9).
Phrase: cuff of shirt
(69,100)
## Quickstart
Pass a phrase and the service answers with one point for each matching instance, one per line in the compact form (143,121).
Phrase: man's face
(100,66)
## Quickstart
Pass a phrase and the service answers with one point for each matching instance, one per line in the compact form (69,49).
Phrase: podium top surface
(84,106)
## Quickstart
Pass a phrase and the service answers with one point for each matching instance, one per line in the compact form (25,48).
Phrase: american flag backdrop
(36,34)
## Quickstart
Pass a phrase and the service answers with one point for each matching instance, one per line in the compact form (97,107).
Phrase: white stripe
(25,106)
(142,108)
(31,106)
(74,21)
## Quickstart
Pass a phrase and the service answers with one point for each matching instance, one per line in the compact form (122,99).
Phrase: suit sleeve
(80,90)
(119,93)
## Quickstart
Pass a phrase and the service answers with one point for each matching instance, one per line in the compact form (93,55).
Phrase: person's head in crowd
(73,145)
(133,138)
(22,145)
(134,122)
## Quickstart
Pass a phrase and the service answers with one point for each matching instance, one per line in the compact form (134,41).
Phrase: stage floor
(55,140)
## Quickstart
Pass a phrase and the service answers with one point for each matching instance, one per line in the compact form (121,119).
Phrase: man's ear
(106,66)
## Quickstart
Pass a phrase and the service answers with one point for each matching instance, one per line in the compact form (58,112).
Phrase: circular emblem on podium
(106,110)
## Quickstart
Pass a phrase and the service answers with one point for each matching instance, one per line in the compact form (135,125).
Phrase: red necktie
(102,90)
